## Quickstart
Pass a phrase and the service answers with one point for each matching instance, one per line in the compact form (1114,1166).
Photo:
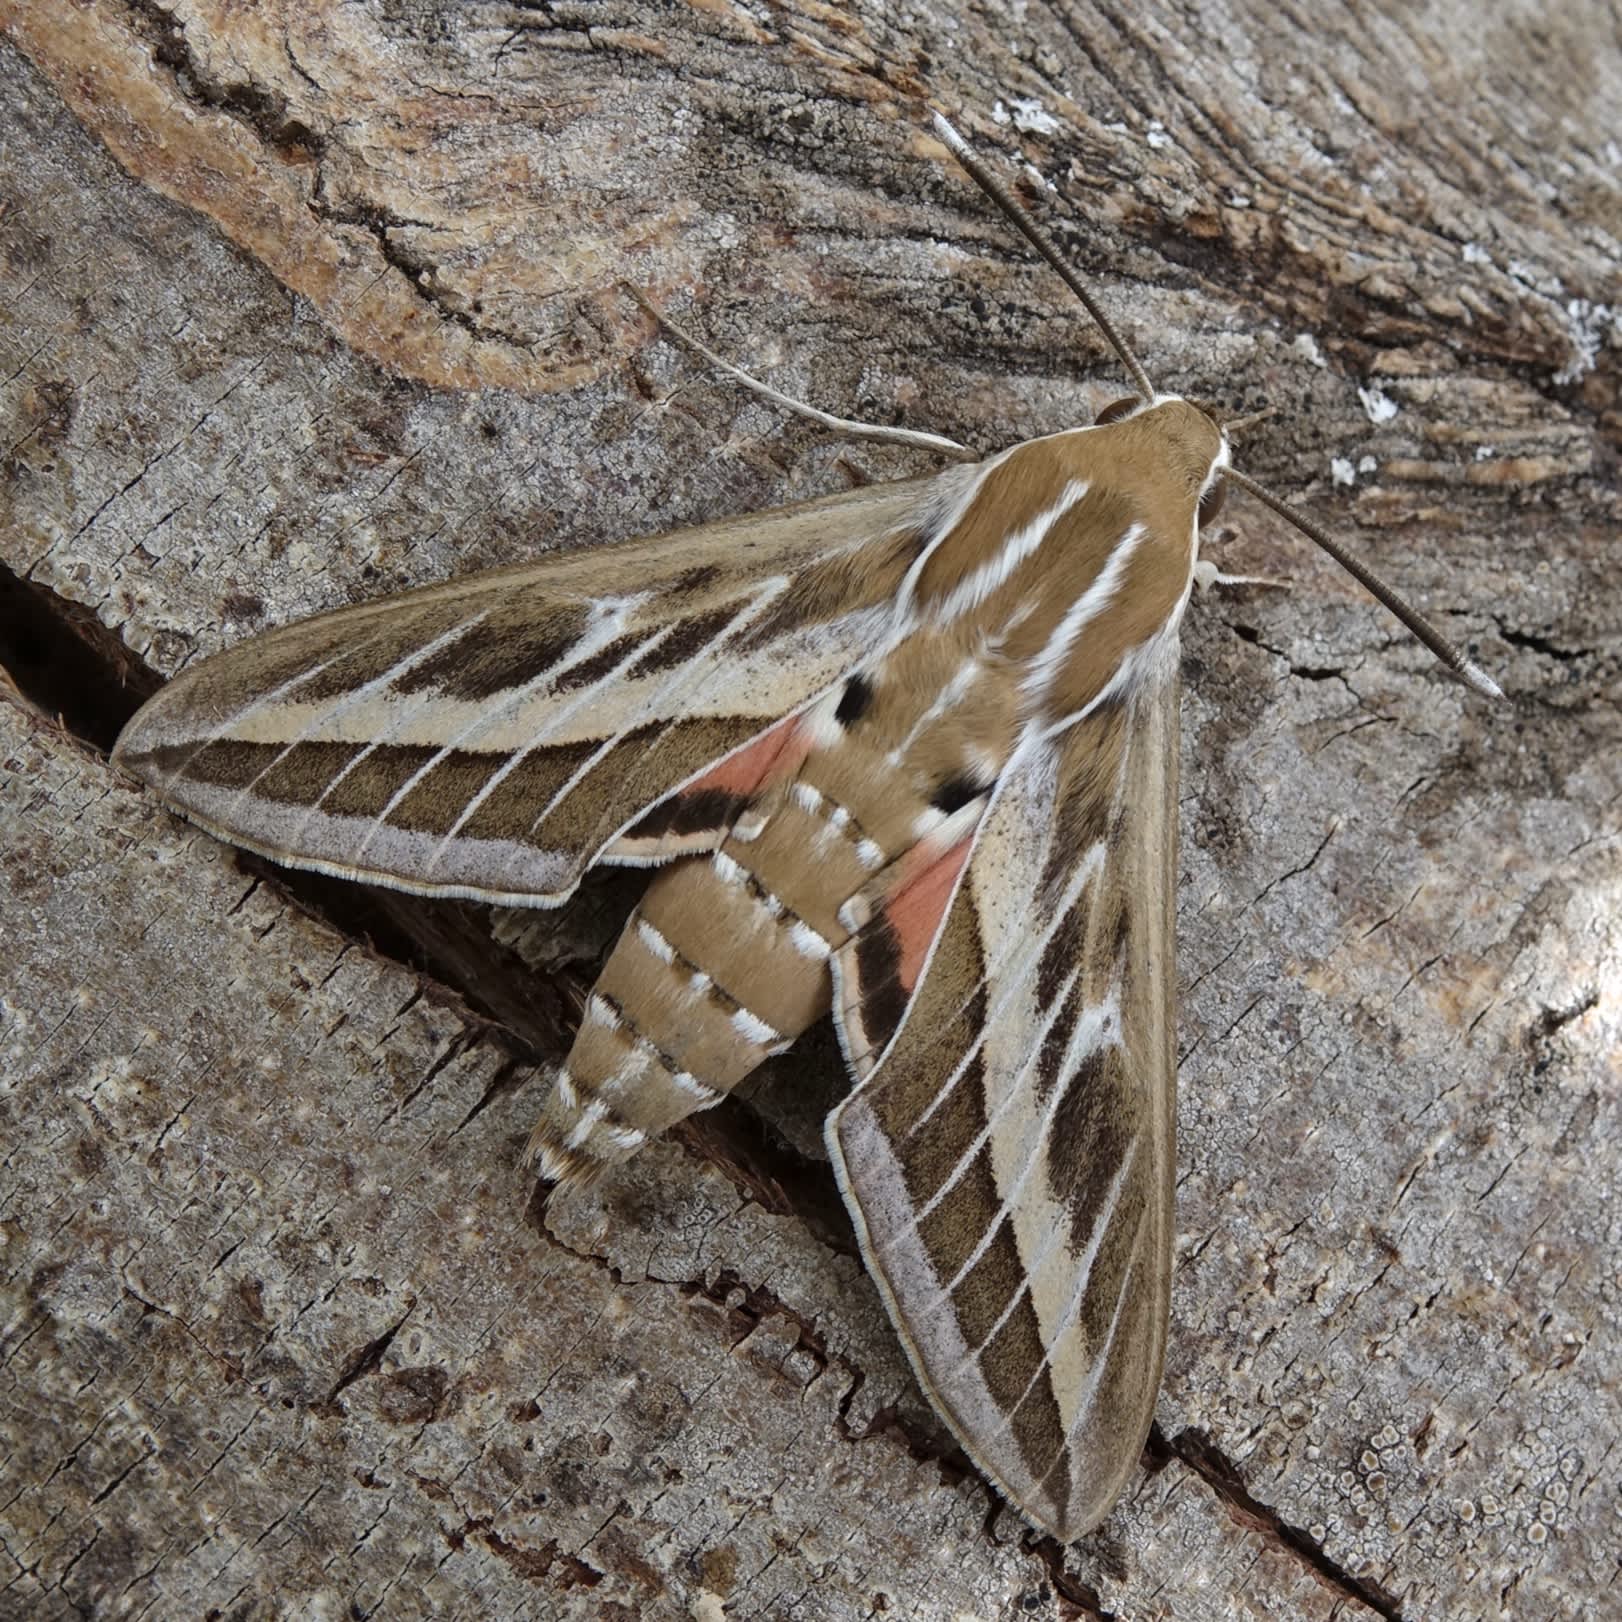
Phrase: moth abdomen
(712,974)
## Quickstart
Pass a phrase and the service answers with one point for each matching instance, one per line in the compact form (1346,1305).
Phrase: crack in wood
(1212,1466)
(263,111)
(367,1359)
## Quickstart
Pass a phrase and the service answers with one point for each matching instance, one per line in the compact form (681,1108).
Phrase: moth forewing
(488,737)
(1010,1165)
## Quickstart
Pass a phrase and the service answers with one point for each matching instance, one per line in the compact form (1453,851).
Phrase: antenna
(938,443)
(1043,243)
(1466,670)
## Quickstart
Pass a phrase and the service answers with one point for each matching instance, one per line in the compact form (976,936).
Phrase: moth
(908,753)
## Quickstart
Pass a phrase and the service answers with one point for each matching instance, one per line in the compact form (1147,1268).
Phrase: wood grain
(304,302)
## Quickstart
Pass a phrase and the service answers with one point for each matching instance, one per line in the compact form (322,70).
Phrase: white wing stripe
(1051,1337)
(481,721)
(1027,949)
(357,696)
(518,756)
(685,672)
(1083,1403)
(1034,1156)
(269,701)
(1015,549)
(1089,605)
(966,1159)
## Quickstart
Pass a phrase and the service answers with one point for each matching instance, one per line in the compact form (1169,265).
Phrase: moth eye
(1127,404)
(954,794)
(1211,501)
(853,702)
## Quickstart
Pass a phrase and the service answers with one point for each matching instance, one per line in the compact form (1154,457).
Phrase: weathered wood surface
(302,302)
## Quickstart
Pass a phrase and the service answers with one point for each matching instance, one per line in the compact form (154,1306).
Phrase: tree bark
(306,302)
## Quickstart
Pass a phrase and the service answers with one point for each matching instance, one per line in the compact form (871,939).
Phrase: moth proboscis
(908,753)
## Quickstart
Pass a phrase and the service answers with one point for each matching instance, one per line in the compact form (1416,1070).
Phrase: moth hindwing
(908,753)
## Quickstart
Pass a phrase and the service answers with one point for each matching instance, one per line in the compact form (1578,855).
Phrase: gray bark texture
(306,301)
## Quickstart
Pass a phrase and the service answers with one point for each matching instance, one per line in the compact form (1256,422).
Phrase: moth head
(1116,409)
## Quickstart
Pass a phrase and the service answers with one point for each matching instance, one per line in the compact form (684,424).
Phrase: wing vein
(351,700)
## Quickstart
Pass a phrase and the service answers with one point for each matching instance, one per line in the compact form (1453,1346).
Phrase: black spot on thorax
(955,793)
(854,701)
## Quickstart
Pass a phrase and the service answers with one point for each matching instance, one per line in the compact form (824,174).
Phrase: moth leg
(938,443)
(1207,575)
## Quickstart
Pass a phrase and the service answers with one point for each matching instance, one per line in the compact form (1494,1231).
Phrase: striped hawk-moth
(907,753)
